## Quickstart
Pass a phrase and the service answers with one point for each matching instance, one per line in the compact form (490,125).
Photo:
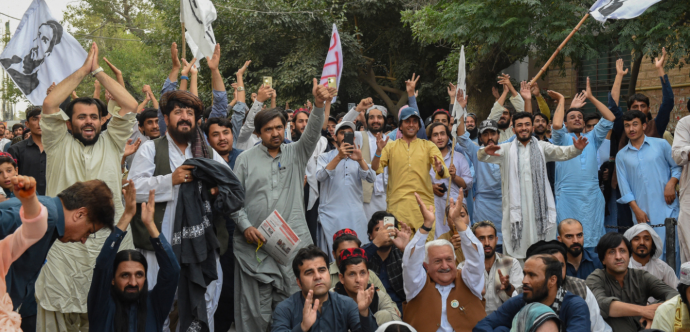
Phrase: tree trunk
(634,72)
(366,75)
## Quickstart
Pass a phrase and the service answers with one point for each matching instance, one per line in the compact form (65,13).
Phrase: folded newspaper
(280,239)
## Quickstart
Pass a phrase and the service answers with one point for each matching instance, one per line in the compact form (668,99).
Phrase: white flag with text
(333,68)
(198,17)
(603,10)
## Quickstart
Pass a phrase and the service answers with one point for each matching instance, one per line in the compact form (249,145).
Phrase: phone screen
(268,81)
(349,138)
(389,222)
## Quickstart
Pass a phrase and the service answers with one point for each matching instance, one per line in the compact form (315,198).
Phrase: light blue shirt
(577,191)
(340,196)
(239,111)
(486,187)
(642,177)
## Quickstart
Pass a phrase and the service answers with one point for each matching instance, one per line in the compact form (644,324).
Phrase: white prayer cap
(383,327)
(344,124)
(685,274)
(639,228)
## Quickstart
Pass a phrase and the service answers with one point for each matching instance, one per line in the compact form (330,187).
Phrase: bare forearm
(240,94)
(375,161)
(502,99)
(363,165)
(153,231)
(616,89)
(183,84)
(605,111)
(558,115)
(217,80)
(273,102)
(173,74)
(459,181)
(51,104)
(154,101)
(124,221)
(142,105)
(97,92)
(193,85)
(327,113)
(528,105)
(120,94)
(622,309)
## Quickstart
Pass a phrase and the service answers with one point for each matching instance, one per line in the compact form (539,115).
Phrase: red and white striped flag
(334,61)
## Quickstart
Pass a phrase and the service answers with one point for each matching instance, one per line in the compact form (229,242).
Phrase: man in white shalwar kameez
(529,212)
(681,155)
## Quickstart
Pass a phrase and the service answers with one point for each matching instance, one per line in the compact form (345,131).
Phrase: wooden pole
(452,225)
(184,44)
(546,65)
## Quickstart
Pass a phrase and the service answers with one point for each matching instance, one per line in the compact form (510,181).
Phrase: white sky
(16,9)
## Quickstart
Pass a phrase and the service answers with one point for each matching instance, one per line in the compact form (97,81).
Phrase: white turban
(639,228)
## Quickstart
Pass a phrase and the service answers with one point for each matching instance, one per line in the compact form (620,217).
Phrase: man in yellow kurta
(409,160)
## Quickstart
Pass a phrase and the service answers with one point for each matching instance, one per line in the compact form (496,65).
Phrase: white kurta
(681,153)
(378,196)
(529,230)
(659,269)
(142,175)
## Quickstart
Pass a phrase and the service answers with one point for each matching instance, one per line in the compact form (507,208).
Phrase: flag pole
(546,65)
(452,225)
(184,43)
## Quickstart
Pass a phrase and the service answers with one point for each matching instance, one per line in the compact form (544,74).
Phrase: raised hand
(455,215)
(364,298)
(452,170)
(461,99)
(214,60)
(554,95)
(364,105)
(525,90)
(504,79)
(88,63)
(579,100)
(174,56)
(264,93)
(494,91)
(51,87)
(380,142)
(659,62)
(534,89)
(345,150)
(505,283)
(619,68)
(322,93)
(187,66)
(438,166)
(427,212)
(411,83)
(451,92)
(24,187)
(402,236)
(311,307)
(243,70)
(580,143)
(131,148)
(129,193)
(456,241)
(146,89)
(112,67)
(74,95)
(492,150)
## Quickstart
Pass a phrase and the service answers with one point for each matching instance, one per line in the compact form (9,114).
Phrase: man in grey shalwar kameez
(272,174)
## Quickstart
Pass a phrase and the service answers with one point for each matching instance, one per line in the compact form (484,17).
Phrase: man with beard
(460,175)
(158,165)
(577,194)
(246,137)
(645,253)
(407,179)
(487,176)
(503,114)
(273,175)
(313,307)
(503,274)
(340,174)
(622,292)
(439,296)
(83,155)
(471,127)
(681,151)
(299,122)
(119,298)
(529,212)
(573,285)
(29,153)
(541,123)
(219,133)
(3,134)
(24,71)
(647,176)
(579,263)
(543,283)
(373,195)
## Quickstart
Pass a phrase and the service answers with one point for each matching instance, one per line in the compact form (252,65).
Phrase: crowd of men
(451,224)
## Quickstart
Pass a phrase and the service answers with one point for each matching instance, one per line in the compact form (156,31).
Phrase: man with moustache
(622,292)
(272,174)
(529,211)
(645,253)
(503,274)
(439,296)
(409,161)
(577,194)
(487,176)
(647,176)
(543,283)
(29,153)
(579,263)
(373,195)
(471,127)
(313,307)
(82,155)
(158,165)
(503,114)
(460,175)
(219,133)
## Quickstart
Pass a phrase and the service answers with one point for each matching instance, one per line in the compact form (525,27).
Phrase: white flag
(40,52)
(461,85)
(197,16)
(194,49)
(334,60)
(619,9)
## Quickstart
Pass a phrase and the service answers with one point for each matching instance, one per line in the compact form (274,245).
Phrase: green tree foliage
(497,33)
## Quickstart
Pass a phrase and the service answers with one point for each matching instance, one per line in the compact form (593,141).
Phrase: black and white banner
(603,10)
(40,52)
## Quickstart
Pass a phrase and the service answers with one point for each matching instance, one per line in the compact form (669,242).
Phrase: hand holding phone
(389,223)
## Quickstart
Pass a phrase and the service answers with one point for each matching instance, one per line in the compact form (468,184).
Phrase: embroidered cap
(343,232)
(352,252)
(685,273)
(5,154)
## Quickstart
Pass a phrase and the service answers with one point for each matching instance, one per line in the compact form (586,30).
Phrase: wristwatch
(240,88)
(428,229)
(93,73)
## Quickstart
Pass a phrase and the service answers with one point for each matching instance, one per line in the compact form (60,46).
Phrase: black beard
(642,255)
(31,64)
(540,133)
(503,126)
(538,295)
(375,131)
(296,135)
(127,298)
(491,254)
(572,250)
(85,141)
(181,137)
(524,140)
(473,133)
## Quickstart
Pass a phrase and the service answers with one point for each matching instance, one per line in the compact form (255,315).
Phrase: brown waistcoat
(424,311)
